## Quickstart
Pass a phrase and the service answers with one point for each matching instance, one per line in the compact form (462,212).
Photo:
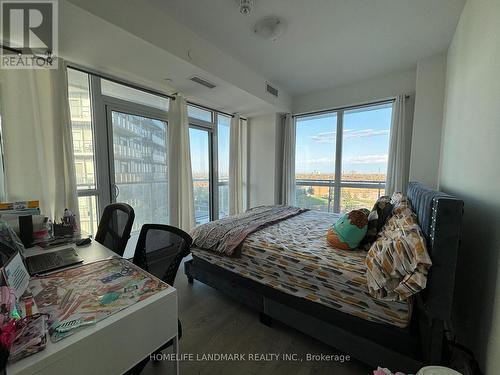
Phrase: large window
(121,153)
(341,158)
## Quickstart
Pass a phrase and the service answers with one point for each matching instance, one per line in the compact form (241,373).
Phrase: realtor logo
(29,34)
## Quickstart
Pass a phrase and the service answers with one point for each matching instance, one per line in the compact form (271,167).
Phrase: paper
(16,275)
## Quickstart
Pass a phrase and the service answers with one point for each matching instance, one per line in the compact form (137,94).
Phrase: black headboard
(440,217)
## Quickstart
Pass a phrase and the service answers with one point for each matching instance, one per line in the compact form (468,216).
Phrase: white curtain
(37,139)
(288,173)
(235,166)
(180,176)
(399,147)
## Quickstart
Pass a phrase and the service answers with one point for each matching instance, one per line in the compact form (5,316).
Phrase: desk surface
(114,344)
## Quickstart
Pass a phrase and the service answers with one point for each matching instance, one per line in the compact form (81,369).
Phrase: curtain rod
(141,88)
(345,107)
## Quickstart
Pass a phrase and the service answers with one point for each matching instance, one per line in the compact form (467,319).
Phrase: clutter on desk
(21,334)
(30,338)
(34,228)
(77,297)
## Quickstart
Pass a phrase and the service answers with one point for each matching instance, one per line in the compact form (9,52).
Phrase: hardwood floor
(213,323)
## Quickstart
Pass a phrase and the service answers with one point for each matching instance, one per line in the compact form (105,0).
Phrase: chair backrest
(160,250)
(115,226)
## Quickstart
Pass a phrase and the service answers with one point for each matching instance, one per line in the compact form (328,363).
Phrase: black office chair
(115,226)
(159,251)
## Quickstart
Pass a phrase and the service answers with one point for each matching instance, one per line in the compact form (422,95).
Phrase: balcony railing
(319,194)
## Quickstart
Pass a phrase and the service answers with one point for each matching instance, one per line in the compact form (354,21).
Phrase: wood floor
(213,323)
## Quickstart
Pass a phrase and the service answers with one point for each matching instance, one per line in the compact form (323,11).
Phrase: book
(21,205)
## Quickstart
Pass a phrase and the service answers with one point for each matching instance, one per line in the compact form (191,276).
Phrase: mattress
(293,256)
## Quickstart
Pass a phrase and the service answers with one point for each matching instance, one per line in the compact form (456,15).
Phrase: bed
(286,272)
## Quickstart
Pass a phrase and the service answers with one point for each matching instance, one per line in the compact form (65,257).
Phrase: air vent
(203,82)
(271,90)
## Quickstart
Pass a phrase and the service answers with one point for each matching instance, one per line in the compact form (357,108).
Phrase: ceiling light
(269,28)
(246,7)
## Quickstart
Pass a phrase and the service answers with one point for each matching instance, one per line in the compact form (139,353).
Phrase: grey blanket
(226,235)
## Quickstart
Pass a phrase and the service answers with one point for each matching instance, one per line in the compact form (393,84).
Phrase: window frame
(211,128)
(338,184)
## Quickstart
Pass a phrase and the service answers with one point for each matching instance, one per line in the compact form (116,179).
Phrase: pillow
(398,262)
(348,231)
(376,220)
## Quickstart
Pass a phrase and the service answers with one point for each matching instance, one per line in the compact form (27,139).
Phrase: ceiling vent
(203,82)
(271,90)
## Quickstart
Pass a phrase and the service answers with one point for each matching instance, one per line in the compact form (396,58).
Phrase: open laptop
(51,261)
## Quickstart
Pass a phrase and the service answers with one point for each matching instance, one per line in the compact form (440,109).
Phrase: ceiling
(326,42)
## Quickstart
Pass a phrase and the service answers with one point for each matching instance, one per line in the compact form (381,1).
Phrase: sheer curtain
(180,175)
(288,173)
(398,169)
(235,166)
(38,145)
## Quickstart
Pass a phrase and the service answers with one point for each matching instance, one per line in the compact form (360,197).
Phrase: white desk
(113,345)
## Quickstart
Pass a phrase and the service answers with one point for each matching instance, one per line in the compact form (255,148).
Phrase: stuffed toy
(347,232)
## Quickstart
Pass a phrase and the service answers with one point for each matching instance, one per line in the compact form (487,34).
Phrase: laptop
(43,263)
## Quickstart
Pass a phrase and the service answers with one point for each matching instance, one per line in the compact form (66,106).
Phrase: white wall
(263,166)
(95,43)
(160,30)
(428,119)
(469,169)
(361,92)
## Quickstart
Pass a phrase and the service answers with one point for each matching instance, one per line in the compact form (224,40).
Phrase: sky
(199,149)
(365,142)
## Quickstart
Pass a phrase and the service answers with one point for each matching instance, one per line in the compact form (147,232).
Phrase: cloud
(316,161)
(330,137)
(349,133)
(367,159)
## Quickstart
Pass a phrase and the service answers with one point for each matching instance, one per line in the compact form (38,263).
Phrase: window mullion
(215,169)
(338,161)
(101,144)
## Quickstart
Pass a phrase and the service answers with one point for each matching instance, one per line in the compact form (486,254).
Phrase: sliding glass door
(139,165)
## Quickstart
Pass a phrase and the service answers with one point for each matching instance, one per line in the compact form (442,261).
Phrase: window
(83,147)
(341,158)
(121,153)
(200,164)
(120,156)
(116,90)
(209,137)
(199,113)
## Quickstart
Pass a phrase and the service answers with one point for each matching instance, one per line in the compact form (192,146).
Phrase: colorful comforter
(294,257)
(226,235)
